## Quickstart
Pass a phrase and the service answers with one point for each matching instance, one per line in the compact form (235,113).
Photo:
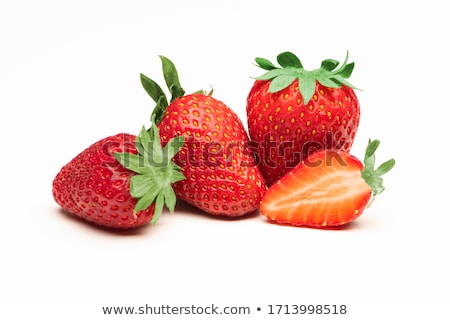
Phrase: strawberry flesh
(326,190)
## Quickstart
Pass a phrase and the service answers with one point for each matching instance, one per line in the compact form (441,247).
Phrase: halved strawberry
(330,188)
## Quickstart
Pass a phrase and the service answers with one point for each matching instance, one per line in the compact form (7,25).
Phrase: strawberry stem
(371,175)
(292,69)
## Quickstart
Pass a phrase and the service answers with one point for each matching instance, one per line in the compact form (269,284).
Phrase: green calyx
(292,69)
(156,172)
(157,94)
(371,175)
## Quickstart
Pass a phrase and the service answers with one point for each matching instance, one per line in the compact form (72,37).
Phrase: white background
(69,76)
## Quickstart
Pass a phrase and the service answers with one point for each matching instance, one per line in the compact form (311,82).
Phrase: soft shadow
(346,227)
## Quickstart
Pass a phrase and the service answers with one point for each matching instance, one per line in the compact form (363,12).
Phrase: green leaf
(343,63)
(292,68)
(281,82)
(155,144)
(288,59)
(347,70)
(155,174)
(144,202)
(337,81)
(369,157)
(132,162)
(170,198)
(201,91)
(374,177)
(177,176)
(171,77)
(329,64)
(159,110)
(341,81)
(327,82)
(173,146)
(145,139)
(176,92)
(376,183)
(372,146)
(159,205)
(138,145)
(157,94)
(153,89)
(272,74)
(140,185)
(385,167)
(151,145)
(307,87)
(264,64)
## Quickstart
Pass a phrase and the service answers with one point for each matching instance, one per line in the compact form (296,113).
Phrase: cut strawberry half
(329,189)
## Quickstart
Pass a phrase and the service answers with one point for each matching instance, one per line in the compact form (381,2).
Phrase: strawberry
(222,177)
(328,189)
(293,112)
(96,185)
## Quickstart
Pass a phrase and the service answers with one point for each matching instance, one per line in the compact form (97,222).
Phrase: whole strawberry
(222,177)
(293,112)
(97,187)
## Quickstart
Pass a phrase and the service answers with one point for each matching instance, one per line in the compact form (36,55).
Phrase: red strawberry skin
(222,177)
(96,188)
(286,130)
(326,190)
